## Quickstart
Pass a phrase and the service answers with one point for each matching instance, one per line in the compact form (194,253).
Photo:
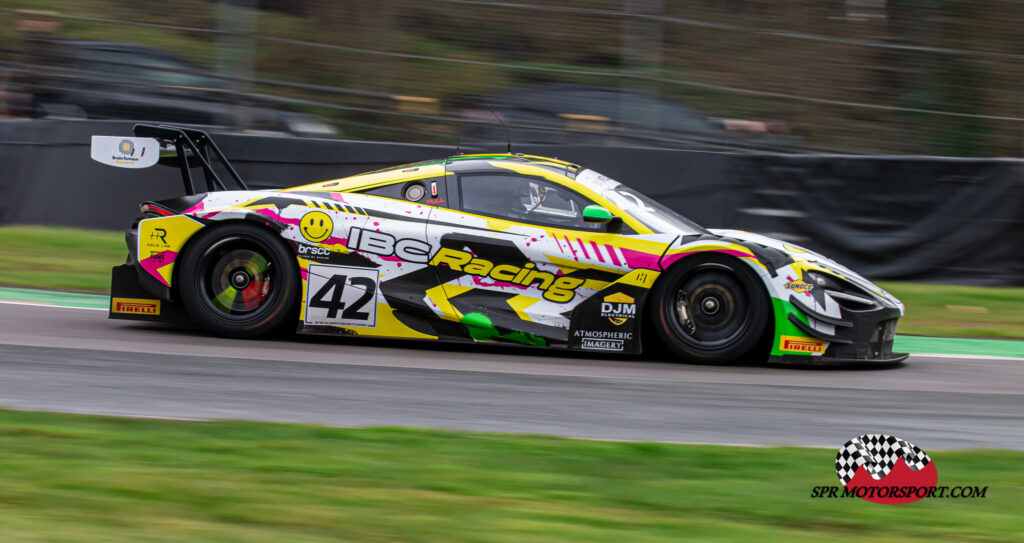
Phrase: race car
(505,248)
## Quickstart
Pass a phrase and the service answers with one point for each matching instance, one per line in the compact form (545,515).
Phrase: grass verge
(59,258)
(76,478)
(80,260)
(959,311)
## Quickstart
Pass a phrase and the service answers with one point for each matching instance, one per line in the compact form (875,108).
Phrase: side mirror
(597,214)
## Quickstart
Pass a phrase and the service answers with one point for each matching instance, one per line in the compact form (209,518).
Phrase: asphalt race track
(76,360)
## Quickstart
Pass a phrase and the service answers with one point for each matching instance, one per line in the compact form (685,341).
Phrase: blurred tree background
(864,76)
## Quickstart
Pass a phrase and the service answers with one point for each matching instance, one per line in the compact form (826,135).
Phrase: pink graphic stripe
(611,253)
(571,248)
(672,259)
(638,259)
(154,262)
(500,284)
(583,246)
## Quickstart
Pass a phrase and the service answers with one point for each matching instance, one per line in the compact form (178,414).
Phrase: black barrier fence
(911,218)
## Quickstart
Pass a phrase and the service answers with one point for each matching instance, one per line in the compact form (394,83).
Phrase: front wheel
(710,309)
(239,280)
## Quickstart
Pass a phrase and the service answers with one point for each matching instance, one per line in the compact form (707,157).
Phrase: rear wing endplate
(153,144)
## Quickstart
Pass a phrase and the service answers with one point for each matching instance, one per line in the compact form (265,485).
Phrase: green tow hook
(481,328)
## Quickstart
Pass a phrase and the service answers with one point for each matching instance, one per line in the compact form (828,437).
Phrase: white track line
(967,356)
(42,304)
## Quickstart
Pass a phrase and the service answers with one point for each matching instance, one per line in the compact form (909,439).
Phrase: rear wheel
(710,309)
(239,280)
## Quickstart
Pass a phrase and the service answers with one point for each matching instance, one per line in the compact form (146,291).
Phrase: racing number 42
(341,296)
(335,287)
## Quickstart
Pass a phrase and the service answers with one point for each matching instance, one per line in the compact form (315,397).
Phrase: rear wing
(184,148)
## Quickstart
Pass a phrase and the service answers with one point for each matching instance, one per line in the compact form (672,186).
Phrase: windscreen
(659,218)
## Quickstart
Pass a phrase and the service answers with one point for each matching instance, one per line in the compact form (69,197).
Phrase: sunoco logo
(886,469)
(618,308)
(799,286)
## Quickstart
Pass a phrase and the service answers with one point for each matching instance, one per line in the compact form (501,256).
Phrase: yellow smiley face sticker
(316,226)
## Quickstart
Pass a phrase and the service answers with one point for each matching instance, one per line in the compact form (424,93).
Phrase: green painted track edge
(54,297)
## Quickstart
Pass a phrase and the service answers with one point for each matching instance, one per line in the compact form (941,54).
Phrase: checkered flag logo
(878,454)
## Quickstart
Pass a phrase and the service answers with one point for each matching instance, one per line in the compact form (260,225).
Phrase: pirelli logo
(135,306)
(802,345)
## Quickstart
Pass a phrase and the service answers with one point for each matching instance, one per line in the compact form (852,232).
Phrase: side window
(524,199)
(424,191)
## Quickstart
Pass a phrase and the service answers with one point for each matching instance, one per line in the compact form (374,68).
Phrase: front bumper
(859,335)
(825,360)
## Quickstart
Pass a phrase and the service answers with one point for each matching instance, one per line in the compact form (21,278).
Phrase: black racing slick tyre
(710,309)
(239,280)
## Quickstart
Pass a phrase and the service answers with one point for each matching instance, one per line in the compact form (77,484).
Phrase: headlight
(821,280)
(846,294)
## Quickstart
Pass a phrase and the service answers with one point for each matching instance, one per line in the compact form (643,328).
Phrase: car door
(391,242)
(514,256)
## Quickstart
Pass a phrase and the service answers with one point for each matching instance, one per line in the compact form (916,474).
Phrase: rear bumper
(130,300)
